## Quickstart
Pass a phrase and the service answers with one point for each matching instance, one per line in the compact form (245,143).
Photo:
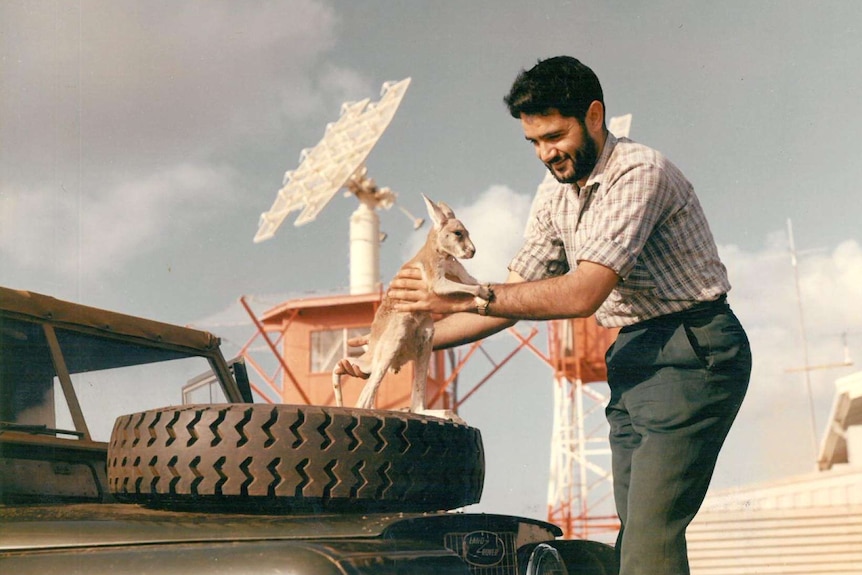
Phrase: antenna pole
(806,370)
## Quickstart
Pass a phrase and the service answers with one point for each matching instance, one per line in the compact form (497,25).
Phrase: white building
(810,524)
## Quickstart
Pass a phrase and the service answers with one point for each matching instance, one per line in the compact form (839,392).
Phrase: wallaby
(399,337)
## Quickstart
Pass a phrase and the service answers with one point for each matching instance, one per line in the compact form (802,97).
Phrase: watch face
(482,308)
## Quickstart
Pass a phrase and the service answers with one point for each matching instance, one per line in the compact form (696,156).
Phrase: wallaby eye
(459,234)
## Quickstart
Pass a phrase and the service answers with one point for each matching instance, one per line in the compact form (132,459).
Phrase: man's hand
(345,366)
(410,293)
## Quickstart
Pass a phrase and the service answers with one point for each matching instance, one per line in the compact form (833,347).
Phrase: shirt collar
(597,176)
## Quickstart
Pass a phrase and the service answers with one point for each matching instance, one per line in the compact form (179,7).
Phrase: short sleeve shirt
(638,215)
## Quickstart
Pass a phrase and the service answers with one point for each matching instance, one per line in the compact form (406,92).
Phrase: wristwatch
(482,303)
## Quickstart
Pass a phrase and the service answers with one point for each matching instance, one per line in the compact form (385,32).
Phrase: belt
(699,309)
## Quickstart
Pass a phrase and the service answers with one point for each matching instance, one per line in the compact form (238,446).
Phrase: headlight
(545,560)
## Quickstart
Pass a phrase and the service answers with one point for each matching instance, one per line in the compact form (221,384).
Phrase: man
(622,236)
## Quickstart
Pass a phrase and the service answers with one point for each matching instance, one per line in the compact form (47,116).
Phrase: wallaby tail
(336,387)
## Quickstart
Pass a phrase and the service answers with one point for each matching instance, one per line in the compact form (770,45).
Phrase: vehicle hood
(87,525)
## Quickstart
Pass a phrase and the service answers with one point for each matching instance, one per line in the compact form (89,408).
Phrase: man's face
(562,144)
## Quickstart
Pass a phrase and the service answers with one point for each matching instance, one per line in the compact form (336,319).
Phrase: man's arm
(451,331)
(460,328)
(576,294)
(579,293)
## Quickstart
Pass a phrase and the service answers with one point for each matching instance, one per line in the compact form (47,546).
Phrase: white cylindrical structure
(364,250)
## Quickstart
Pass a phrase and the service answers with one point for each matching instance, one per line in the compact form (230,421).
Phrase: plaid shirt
(637,215)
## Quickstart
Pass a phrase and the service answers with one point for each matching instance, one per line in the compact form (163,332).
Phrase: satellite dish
(336,162)
(338,157)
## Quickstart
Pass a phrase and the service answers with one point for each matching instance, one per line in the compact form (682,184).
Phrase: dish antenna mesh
(329,166)
(338,161)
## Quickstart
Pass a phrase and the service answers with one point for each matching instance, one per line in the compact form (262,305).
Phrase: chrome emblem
(483,548)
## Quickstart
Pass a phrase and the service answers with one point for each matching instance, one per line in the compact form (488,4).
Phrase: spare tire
(296,457)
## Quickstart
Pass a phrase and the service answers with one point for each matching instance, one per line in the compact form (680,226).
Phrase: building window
(330,345)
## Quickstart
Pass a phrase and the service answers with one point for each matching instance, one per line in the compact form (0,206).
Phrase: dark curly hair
(561,83)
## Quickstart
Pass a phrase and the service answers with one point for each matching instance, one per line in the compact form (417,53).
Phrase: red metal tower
(580,490)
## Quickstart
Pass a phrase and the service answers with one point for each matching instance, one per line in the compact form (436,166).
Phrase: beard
(586,158)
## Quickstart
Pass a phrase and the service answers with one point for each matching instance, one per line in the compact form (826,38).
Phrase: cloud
(765,296)
(124,116)
(68,233)
(93,83)
(786,410)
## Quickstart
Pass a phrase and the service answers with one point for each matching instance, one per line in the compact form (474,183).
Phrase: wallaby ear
(437,215)
(447,211)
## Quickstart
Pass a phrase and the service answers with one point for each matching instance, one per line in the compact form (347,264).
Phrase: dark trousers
(676,383)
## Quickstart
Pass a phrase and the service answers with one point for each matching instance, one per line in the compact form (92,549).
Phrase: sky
(141,141)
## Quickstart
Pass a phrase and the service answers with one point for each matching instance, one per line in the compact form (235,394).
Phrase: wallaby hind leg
(420,367)
(369,392)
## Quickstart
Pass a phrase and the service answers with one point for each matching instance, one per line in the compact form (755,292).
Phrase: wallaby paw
(483,292)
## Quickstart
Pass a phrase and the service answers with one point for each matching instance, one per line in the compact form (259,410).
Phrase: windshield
(110,377)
